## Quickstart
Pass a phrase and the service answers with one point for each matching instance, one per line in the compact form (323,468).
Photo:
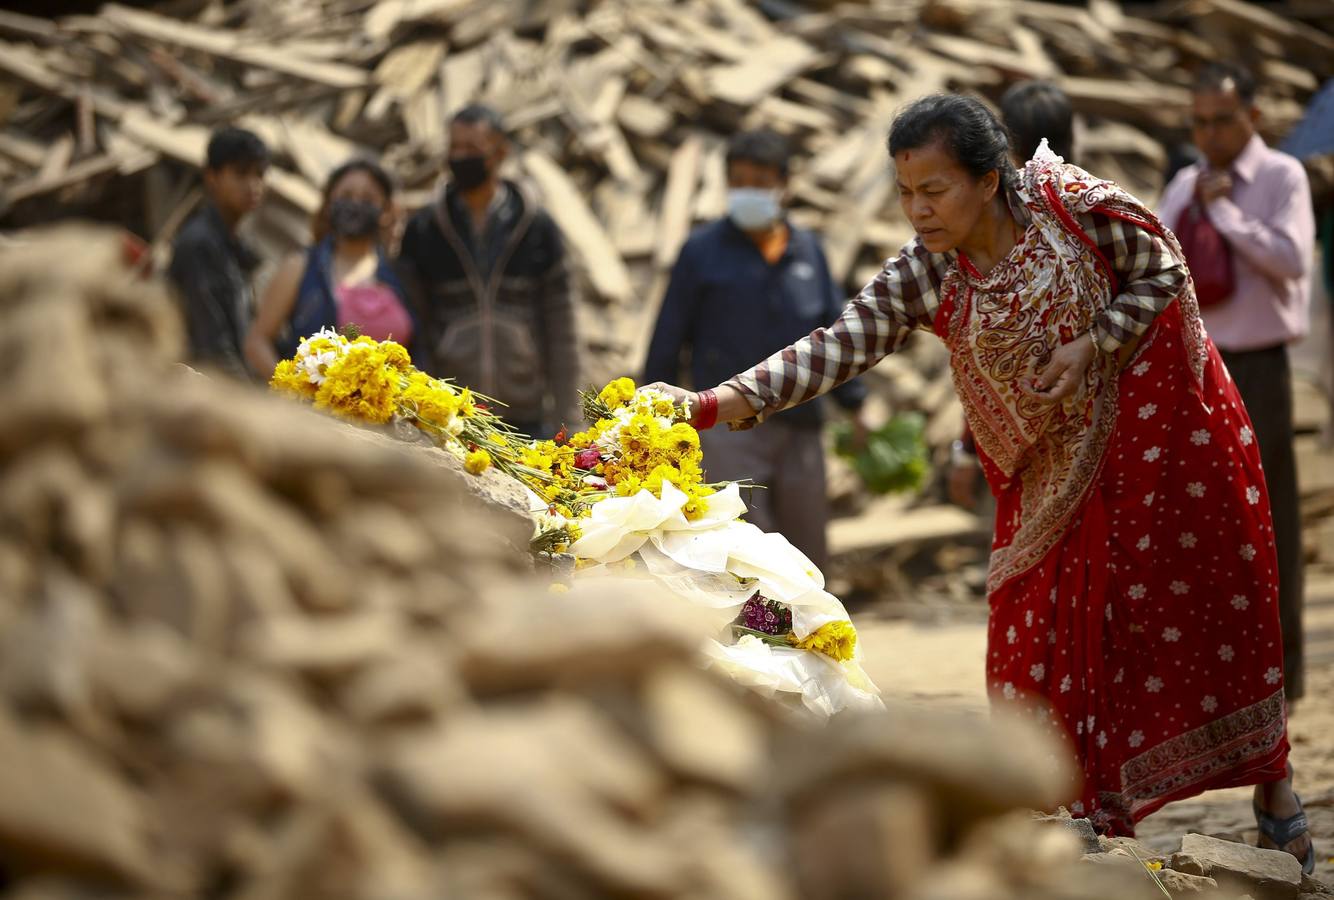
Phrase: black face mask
(469,171)
(354,218)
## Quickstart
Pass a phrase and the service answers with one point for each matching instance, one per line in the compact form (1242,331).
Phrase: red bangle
(707,417)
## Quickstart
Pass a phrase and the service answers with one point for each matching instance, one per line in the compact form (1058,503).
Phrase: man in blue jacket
(744,287)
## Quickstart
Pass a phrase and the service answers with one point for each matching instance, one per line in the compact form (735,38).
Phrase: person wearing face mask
(487,267)
(743,287)
(344,279)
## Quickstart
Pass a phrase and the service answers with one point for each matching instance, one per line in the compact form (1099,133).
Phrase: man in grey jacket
(486,268)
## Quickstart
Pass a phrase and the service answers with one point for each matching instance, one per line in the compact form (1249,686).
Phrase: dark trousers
(1264,380)
(789,461)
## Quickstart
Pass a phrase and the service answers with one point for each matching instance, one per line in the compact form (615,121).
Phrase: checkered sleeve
(875,323)
(1150,277)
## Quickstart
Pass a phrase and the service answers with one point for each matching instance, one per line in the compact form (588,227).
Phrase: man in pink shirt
(1259,200)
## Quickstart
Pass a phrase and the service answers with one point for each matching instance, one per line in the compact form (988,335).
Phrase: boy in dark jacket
(210,265)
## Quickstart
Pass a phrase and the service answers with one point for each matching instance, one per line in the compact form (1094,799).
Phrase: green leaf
(894,459)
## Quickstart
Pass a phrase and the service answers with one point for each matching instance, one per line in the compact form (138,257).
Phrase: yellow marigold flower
(289,378)
(359,385)
(837,640)
(396,355)
(682,440)
(557,587)
(477,462)
(467,407)
(629,485)
(618,393)
(1154,865)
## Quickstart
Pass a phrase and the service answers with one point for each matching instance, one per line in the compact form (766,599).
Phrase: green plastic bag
(894,458)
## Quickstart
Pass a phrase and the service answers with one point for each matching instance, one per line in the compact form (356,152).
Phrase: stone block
(66,809)
(1082,829)
(1266,874)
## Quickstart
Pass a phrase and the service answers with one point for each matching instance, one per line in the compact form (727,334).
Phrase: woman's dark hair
(1034,110)
(967,129)
(761,147)
(319,226)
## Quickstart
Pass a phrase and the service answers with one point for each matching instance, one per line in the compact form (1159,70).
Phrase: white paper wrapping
(718,562)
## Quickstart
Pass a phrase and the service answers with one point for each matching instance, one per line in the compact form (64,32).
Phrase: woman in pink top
(345,278)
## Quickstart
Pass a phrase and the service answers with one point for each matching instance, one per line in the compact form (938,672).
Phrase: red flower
(587,459)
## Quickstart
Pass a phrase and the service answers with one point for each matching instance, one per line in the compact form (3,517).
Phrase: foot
(1278,801)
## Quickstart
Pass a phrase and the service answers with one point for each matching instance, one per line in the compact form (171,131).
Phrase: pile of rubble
(252,652)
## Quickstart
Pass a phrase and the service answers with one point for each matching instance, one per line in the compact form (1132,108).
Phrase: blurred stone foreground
(250,652)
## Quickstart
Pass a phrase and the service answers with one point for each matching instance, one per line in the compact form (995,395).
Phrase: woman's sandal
(1284,831)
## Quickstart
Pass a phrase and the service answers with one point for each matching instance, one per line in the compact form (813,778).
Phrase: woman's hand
(1064,372)
(732,404)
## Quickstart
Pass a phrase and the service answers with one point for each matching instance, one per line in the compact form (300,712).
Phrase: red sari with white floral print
(1133,589)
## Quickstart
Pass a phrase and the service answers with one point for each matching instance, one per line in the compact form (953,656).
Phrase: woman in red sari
(1132,586)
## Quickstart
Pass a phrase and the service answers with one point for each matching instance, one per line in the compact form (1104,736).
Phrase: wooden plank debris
(620,112)
(565,202)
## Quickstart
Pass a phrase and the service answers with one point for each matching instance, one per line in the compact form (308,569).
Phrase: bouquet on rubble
(627,499)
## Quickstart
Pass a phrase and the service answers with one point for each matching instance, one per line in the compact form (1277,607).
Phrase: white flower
(1065,685)
(1120,676)
(1051,636)
(1140,369)
(1089,722)
(1172,635)
(1273,675)
(1226,653)
(1199,437)
(1209,703)
(1077,807)
(1011,635)
(1143,543)
(1240,602)
(1152,454)
(1038,671)
(1247,552)
(1187,539)
(1195,489)
(1136,738)
(1137,591)
(1028,618)
(1008,690)
(1147,410)
(1247,436)
(1107,612)
(1102,739)
(1252,495)
(1180,587)
(1153,684)
(1148,498)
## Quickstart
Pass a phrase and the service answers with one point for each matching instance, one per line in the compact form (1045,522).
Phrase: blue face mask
(753,209)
